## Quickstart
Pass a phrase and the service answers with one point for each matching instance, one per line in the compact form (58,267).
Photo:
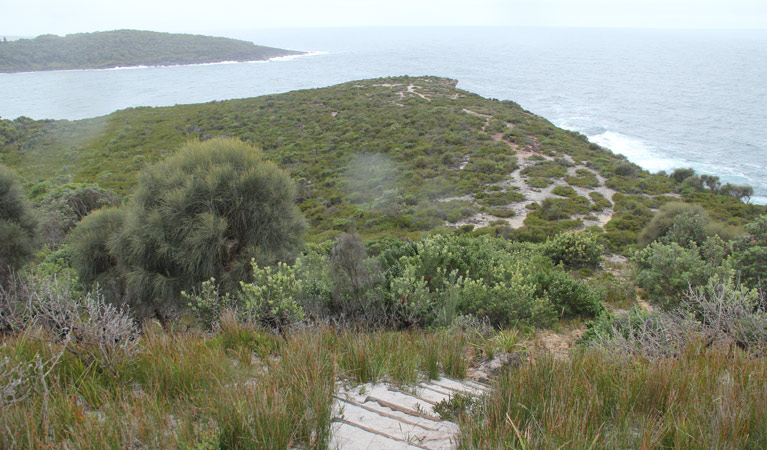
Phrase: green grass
(705,398)
(241,387)
(237,388)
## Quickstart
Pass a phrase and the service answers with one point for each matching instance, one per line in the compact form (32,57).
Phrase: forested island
(124,48)
(225,274)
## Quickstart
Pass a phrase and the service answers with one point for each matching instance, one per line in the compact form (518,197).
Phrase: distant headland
(126,48)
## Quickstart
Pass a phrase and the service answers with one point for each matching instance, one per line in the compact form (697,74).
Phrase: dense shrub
(511,300)
(61,208)
(613,289)
(208,303)
(203,213)
(271,297)
(538,182)
(564,191)
(607,326)
(575,250)
(685,222)
(599,201)
(667,271)
(356,281)
(89,245)
(482,276)
(569,296)
(750,255)
(17,225)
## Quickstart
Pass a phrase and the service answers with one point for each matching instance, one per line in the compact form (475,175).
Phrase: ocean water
(664,99)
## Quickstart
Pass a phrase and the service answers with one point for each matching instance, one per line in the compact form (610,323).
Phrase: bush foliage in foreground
(205,212)
(239,388)
(17,225)
(411,284)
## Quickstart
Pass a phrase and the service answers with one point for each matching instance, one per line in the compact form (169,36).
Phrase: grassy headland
(388,157)
(124,48)
(448,235)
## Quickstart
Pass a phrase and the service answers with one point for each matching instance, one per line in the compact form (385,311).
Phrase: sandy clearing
(412,89)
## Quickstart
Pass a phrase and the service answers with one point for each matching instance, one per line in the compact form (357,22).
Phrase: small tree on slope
(203,213)
(17,225)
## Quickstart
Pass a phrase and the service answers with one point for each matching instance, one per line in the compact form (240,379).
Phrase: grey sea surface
(663,98)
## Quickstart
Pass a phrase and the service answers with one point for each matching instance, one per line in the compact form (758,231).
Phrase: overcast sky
(34,17)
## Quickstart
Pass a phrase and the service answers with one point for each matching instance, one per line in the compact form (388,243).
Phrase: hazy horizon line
(342,27)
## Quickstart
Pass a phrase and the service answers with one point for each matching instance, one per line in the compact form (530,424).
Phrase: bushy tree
(667,271)
(355,277)
(750,255)
(17,225)
(712,182)
(61,208)
(575,250)
(684,222)
(742,193)
(90,252)
(203,213)
(691,185)
(679,175)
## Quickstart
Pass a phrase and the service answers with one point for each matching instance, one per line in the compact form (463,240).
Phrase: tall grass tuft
(238,387)
(290,404)
(402,357)
(708,397)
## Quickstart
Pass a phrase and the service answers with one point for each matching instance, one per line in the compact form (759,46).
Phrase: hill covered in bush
(439,244)
(122,48)
(388,157)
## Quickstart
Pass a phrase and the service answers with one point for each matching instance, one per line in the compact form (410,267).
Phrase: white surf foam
(636,151)
(652,159)
(291,57)
(274,59)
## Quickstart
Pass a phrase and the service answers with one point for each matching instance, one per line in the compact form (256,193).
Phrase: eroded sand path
(386,417)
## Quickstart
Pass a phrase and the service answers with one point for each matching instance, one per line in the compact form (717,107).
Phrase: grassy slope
(373,154)
(239,388)
(125,48)
(706,398)
(244,388)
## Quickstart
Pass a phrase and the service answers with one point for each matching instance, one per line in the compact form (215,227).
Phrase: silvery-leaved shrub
(720,313)
(207,302)
(14,381)
(87,326)
(271,297)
